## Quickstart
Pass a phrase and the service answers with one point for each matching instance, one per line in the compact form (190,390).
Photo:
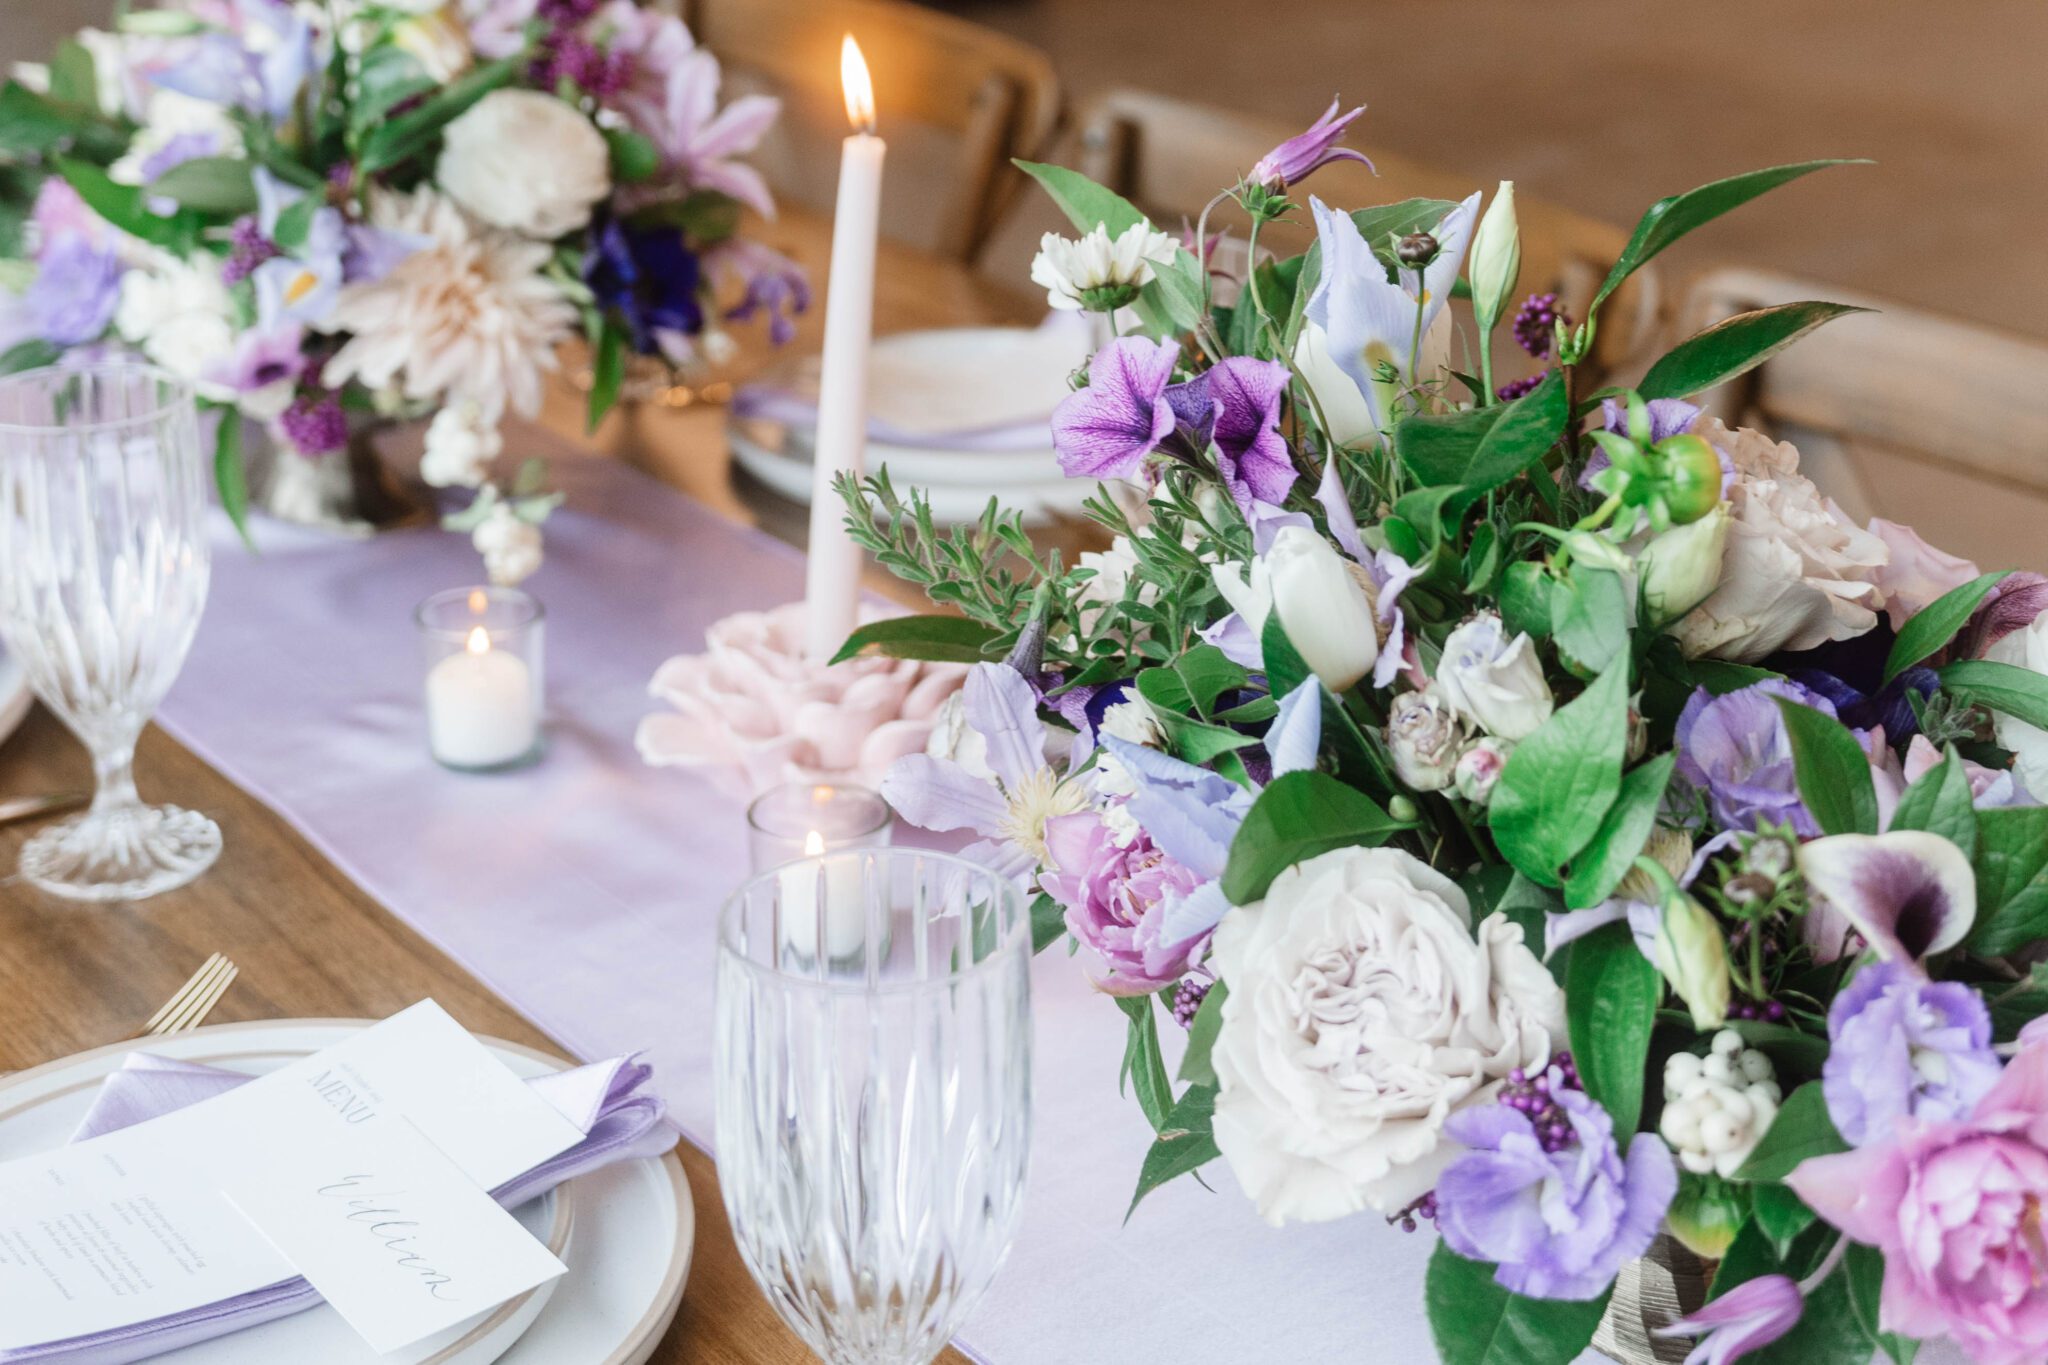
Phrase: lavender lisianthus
(1116,898)
(1734,747)
(75,291)
(1901,1046)
(1558,1212)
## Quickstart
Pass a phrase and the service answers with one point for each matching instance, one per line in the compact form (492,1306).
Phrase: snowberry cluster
(1717,1107)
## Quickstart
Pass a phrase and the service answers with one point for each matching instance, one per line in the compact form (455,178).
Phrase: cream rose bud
(1680,569)
(2025,648)
(526,162)
(1321,604)
(1426,739)
(1363,1011)
(1494,682)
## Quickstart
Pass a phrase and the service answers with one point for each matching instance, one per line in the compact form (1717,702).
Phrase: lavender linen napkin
(775,403)
(604,1099)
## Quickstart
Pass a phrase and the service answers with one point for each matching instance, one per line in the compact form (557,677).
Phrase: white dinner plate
(15,697)
(756,447)
(625,1232)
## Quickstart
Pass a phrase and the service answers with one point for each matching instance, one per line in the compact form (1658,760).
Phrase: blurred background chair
(955,100)
(1901,414)
(1169,157)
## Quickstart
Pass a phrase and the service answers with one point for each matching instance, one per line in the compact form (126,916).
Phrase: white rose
(526,162)
(2025,648)
(1497,684)
(179,314)
(462,440)
(1322,605)
(509,544)
(1362,1013)
(1797,572)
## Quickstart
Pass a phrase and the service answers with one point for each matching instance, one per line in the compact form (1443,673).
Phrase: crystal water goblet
(103,574)
(874,1103)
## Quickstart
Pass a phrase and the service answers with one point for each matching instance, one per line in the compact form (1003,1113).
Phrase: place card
(225,1197)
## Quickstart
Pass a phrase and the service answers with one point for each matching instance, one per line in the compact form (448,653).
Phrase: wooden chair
(1170,157)
(1901,414)
(956,102)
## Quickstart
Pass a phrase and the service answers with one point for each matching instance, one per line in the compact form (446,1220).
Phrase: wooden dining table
(312,944)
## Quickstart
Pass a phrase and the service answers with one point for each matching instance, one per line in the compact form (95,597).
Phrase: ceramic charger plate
(625,1232)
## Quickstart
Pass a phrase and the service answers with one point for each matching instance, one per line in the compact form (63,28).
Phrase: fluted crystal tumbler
(103,573)
(874,1104)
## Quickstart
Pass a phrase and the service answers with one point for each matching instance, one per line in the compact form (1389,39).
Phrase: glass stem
(114,778)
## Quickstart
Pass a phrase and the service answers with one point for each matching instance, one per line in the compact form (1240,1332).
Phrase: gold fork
(194,1000)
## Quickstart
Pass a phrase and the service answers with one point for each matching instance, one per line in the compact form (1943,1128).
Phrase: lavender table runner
(584,890)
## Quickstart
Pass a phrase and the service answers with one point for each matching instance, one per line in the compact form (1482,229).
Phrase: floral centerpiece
(1548,815)
(384,206)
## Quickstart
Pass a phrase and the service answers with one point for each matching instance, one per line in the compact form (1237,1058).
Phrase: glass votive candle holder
(795,828)
(482,651)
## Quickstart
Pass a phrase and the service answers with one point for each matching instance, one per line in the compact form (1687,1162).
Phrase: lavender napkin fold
(775,403)
(604,1099)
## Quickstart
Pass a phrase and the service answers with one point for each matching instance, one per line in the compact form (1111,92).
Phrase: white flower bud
(1425,738)
(1496,257)
(1326,614)
(1495,683)
(1693,956)
(1680,569)
(1479,768)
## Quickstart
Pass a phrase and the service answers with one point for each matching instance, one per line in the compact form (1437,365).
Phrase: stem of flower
(1825,1268)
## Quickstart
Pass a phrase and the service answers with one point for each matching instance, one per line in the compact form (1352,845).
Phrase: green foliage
(941,639)
(2011,864)
(1863,1277)
(1781,1215)
(1590,616)
(126,207)
(1482,448)
(32,354)
(2019,692)
(1185,1143)
(1941,803)
(228,474)
(1622,834)
(218,186)
(1298,816)
(414,132)
(1144,1066)
(1832,770)
(1195,1066)
(1802,1129)
(1611,993)
(1935,624)
(607,372)
(1048,922)
(1173,301)
(1734,347)
(1474,1321)
(635,157)
(386,77)
(1559,783)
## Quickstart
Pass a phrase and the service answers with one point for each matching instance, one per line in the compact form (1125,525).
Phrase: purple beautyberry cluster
(1187,998)
(1509,392)
(247,249)
(1536,323)
(583,63)
(1423,1208)
(1770,1011)
(1535,1097)
(315,424)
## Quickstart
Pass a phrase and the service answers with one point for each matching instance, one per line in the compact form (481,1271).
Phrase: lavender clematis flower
(75,291)
(1236,404)
(1106,430)
(1370,322)
(1431,286)
(305,286)
(1747,1318)
(1012,810)
(1557,1219)
(1307,152)
(261,76)
(1908,893)
(1735,748)
(1901,1046)
(700,139)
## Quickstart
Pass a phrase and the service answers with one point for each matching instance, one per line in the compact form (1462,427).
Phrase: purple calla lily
(1307,152)
(1106,430)
(1910,894)
(1747,1318)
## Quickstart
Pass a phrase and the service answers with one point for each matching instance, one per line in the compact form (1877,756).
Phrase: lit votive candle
(801,829)
(483,682)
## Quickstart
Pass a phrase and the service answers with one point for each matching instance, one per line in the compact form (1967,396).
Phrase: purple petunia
(1734,747)
(1557,1217)
(1236,404)
(1901,1046)
(1106,430)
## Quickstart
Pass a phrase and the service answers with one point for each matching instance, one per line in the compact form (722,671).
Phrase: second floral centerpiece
(1548,814)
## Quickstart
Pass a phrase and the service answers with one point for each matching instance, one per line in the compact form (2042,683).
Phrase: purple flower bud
(1299,156)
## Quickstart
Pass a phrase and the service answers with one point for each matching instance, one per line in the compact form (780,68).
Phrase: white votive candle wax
(845,917)
(480,710)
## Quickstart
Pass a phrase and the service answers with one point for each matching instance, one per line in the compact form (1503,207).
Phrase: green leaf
(1863,1275)
(1621,836)
(1781,1214)
(2019,692)
(387,77)
(1285,668)
(1197,741)
(1380,225)
(73,79)
(1935,624)
(124,206)
(1672,218)
(33,124)
(1559,783)
(32,354)
(1143,1062)
(1802,1129)
(1185,1143)
(1476,1322)
(1720,678)
(1195,1067)
(1193,681)
(1590,615)
(1734,347)
(1048,922)
(414,131)
(1298,816)
(1832,770)
(1176,291)
(635,157)
(2012,879)
(607,373)
(1526,589)
(216,185)
(228,474)
(940,639)
(2020,1004)
(1611,992)
(295,221)
(1941,803)
(1482,448)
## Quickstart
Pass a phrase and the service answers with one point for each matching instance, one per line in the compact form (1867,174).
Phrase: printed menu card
(364,1168)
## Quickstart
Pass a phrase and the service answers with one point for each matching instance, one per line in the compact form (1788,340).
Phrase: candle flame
(478,602)
(479,641)
(814,844)
(860,90)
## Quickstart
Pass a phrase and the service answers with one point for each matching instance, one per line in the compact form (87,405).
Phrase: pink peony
(1116,899)
(1956,1208)
(1916,573)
